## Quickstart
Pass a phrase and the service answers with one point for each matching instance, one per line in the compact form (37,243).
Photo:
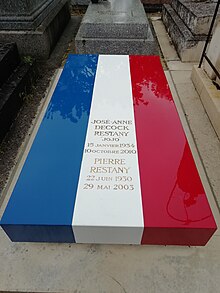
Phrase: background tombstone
(187,23)
(35,25)
(116,27)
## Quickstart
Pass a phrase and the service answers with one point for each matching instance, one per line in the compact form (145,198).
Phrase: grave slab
(196,15)
(188,45)
(116,27)
(35,26)
(110,162)
(24,15)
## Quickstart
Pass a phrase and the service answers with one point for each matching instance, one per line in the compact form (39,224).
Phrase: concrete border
(209,96)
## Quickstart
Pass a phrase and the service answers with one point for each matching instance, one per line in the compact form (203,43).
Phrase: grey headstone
(115,27)
(189,47)
(35,25)
(196,15)
(25,14)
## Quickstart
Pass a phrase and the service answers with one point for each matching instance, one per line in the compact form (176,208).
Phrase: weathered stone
(115,20)
(116,27)
(197,16)
(117,46)
(17,8)
(25,15)
(39,42)
(188,46)
(80,2)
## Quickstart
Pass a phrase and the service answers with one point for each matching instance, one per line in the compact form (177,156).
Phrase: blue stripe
(46,189)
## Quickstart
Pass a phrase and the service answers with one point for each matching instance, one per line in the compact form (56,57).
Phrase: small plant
(28,59)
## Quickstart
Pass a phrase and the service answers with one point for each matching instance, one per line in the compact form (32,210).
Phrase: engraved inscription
(111,146)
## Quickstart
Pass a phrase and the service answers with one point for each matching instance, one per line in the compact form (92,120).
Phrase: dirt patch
(78,10)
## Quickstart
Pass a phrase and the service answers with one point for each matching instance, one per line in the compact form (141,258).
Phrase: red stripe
(173,197)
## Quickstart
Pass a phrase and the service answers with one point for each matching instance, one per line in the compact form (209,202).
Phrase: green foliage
(28,59)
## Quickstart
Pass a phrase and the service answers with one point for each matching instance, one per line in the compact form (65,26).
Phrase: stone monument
(188,23)
(35,25)
(116,27)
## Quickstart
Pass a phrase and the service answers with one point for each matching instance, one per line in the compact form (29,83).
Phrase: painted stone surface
(110,162)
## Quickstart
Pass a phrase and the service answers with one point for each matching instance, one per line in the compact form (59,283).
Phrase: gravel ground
(10,146)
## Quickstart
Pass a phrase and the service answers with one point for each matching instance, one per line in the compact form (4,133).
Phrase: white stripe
(103,214)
